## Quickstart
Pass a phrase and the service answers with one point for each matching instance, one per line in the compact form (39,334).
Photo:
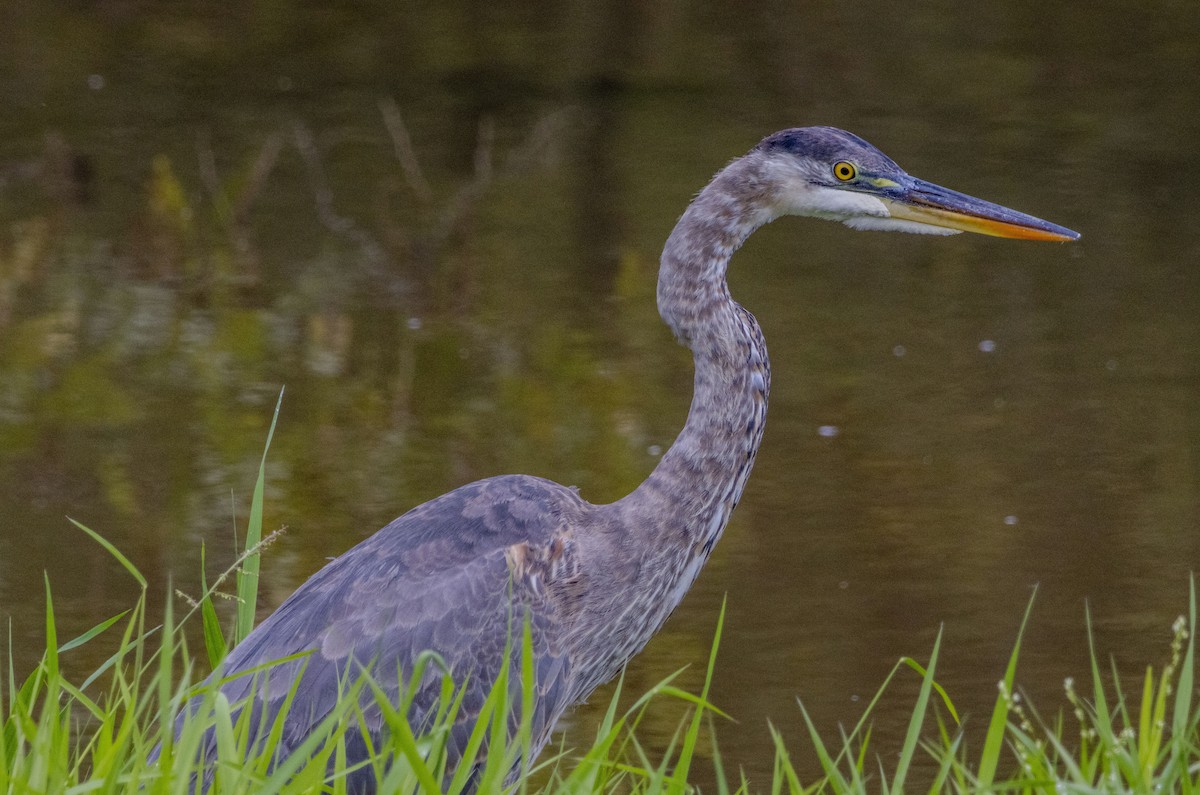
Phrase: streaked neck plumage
(686,502)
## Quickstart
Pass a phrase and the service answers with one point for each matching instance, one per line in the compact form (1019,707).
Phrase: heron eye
(844,170)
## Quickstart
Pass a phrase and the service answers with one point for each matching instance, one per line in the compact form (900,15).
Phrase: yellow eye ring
(844,170)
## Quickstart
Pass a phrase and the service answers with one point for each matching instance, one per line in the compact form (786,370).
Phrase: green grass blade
(1103,722)
(828,766)
(917,721)
(1183,689)
(718,765)
(135,644)
(214,638)
(247,578)
(994,739)
(941,691)
(949,752)
(112,550)
(528,691)
(316,738)
(679,778)
(91,633)
(51,659)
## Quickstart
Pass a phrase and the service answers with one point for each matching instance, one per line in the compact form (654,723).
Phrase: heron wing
(452,576)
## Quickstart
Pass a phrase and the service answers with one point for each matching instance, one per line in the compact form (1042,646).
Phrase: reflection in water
(225,211)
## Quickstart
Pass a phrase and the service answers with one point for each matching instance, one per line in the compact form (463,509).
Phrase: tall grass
(119,729)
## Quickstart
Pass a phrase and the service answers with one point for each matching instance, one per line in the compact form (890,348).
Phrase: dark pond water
(438,225)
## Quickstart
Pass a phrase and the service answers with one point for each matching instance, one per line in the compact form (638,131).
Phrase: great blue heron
(593,582)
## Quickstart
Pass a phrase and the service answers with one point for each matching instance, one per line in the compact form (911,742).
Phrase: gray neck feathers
(687,500)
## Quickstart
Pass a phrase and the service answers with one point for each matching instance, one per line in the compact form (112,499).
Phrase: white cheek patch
(833,204)
(841,203)
(897,225)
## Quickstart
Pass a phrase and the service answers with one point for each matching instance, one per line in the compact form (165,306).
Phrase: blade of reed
(994,739)
(247,578)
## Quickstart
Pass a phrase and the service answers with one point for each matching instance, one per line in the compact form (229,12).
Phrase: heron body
(593,582)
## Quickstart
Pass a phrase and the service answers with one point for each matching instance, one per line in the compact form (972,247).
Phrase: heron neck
(690,494)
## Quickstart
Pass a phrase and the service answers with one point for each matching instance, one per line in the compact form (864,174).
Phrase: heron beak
(925,203)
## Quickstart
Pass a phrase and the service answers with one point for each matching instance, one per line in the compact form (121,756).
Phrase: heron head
(829,173)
